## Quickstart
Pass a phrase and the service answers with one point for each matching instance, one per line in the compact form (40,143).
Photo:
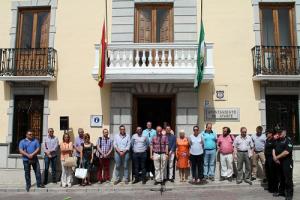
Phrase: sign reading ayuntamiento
(222,114)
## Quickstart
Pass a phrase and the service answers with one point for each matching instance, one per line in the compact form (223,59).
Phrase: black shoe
(135,181)
(248,181)
(288,198)
(171,180)
(27,188)
(156,183)
(238,182)
(212,178)
(277,194)
(253,179)
(222,178)
(144,182)
(230,179)
(126,182)
(41,186)
(265,180)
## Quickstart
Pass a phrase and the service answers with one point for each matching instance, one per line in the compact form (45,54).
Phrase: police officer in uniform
(282,155)
(270,166)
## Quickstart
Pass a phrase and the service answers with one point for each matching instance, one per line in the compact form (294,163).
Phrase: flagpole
(201,11)
(106,20)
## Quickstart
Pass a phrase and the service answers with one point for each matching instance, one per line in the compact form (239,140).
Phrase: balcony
(154,62)
(27,64)
(276,63)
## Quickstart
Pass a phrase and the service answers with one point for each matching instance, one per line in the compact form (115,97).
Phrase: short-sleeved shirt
(78,142)
(149,133)
(243,143)
(284,145)
(196,144)
(105,144)
(29,146)
(159,143)
(51,144)
(259,142)
(226,144)
(139,143)
(210,140)
(122,142)
(270,143)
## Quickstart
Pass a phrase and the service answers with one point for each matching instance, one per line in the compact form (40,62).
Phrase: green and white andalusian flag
(200,58)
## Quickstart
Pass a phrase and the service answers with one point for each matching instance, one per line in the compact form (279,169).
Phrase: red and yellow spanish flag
(102,60)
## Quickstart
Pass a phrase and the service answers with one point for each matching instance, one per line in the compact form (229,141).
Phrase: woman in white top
(196,155)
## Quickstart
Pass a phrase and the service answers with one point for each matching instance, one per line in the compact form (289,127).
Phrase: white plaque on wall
(96,120)
(222,114)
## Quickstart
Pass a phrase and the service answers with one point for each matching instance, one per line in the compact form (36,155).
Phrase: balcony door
(32,42)
(153,23)
(278,38)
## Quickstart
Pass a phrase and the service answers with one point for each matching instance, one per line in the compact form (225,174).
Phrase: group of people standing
(155,153)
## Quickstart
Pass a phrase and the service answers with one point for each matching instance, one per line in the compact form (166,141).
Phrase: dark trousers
(50,161)
(286,177)
(150,164)
(197,166)
(139,160)
(271,175)
(103,169)
(36,168)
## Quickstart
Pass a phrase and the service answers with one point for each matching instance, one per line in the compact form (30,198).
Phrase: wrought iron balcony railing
(276,60)
(27,62)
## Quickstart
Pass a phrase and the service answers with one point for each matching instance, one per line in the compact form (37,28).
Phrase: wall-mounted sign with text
(222,114)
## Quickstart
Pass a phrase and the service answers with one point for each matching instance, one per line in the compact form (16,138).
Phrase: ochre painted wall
(5,25)
(229,25)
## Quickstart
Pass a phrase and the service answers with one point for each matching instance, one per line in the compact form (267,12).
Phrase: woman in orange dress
(182,155)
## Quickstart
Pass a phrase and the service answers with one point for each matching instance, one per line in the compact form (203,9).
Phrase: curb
(122,188)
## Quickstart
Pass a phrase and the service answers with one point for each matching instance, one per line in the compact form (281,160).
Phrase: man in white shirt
(243,150)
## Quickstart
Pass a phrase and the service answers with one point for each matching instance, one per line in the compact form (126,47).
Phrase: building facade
(49,63)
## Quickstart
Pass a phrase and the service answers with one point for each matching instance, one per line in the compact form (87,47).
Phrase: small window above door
(153,23)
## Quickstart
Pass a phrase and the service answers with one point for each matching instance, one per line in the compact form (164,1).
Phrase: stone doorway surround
(122,103)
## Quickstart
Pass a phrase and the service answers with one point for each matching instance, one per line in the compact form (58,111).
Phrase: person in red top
(225,144)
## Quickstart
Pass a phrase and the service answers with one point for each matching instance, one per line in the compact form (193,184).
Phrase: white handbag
(81,173)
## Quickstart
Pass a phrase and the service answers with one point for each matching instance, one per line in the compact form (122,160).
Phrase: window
(278,26)
(153,23)
(33,28)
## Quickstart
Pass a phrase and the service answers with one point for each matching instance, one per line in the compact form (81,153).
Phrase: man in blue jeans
(210,145)
(122,146)
(29,149)
(50,150)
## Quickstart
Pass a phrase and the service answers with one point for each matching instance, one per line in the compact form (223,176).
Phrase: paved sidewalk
(109,187)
